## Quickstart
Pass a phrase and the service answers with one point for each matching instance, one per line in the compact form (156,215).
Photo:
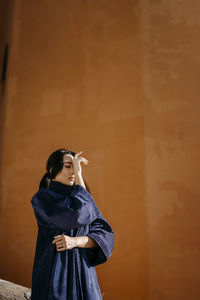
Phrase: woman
(73,236)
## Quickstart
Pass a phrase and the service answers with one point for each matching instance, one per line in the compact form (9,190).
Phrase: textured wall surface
(75,82)
(171,60)
(118,80)
(6,17)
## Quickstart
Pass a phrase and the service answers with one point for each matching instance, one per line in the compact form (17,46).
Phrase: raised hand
(77,159)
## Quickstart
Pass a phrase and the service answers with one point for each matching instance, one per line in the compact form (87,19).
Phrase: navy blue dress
(68,274)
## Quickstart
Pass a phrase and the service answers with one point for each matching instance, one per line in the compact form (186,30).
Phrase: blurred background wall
(118,80)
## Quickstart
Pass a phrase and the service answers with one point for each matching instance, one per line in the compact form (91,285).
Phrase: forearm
(79,180)
(85,242)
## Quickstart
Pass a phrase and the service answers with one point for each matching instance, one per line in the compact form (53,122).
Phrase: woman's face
(66,175)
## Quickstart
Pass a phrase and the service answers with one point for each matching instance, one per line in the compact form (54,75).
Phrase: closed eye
(67,167)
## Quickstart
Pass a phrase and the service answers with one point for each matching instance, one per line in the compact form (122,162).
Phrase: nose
(72,171)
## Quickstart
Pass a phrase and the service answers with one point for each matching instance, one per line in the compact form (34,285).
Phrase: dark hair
(54,166)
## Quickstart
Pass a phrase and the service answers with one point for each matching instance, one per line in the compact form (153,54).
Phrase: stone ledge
(12,291)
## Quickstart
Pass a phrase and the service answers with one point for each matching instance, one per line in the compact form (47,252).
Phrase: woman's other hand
(64,242)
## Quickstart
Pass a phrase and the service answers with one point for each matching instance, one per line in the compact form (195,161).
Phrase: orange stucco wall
(118,80)
(170,64)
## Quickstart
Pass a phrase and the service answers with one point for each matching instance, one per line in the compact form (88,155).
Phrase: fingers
(77,154)
(62,242)
(84,160)
(61,249)
(58,238)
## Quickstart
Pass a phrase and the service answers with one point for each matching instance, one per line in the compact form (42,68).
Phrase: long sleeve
(102,233)
(55,211)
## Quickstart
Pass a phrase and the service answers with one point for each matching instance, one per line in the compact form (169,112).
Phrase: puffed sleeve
(102,233)
(75,210)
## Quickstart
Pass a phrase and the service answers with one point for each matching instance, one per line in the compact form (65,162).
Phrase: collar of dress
(60,188)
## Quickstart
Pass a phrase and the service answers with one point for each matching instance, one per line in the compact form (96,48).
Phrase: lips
(72,179)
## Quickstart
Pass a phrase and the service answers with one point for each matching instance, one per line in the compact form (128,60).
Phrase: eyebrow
(68,162)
